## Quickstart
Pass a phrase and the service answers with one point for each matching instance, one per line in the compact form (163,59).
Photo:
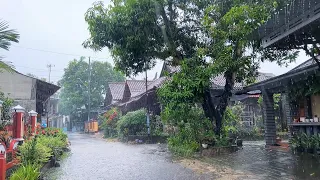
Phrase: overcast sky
(48,26)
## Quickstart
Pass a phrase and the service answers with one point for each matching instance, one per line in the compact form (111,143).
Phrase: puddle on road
(270,164)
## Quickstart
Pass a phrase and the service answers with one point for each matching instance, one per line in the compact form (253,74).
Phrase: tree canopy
(75,81)
(6,37)
(139,32)
(207,38)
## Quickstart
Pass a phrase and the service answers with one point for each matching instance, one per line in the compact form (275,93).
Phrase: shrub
(156,126)
(26,172)
(34,153)
(191,132)
(108,122)
(56,144)
(133,123)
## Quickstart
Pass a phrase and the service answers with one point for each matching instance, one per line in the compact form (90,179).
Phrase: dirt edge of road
(220,172)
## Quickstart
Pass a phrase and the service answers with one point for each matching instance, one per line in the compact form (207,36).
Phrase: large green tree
(140,31)
(6,37)
(206,38)
(75,84)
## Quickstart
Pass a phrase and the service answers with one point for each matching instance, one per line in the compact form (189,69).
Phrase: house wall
(16,86)
(315,104)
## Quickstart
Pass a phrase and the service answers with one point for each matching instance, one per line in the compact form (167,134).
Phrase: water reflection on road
(93,158)
(270,164)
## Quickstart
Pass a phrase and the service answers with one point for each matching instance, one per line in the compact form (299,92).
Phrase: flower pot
(239,142)
(205,146)
(278,140)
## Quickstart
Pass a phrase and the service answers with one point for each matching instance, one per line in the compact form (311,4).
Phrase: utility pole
(49,66)
(147,107)
(89,90)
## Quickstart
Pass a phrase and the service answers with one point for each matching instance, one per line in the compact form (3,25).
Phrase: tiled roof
(117,90)
(307,63)
(219,81)
(151,85)
(137,86)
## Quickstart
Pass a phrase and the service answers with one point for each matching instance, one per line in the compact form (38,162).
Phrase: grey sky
(59,26)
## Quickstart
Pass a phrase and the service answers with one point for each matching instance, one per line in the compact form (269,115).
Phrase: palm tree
(6,37)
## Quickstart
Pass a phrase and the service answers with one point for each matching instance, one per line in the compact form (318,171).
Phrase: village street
(94,158)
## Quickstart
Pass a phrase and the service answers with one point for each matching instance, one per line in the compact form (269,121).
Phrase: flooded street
(260,163)
(93,158)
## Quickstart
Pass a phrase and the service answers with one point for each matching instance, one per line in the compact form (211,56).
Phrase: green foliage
(55,143)
(310,86)
(133,123)
(32,152)
(232,119)
(250,134)
(156,126)
(137,38)
(6,106)
(108,122)
(276,101)
(38,150)
(185,89)
(74,94)
(26,172)
(193,129)
(182,148)
(6,37)
(302,141)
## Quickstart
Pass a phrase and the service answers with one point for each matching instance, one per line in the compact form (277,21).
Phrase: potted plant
(207,139)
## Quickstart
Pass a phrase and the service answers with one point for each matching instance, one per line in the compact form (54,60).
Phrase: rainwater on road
(94,158)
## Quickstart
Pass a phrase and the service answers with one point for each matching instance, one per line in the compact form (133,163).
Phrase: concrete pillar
(33,119)
(18,126)
(270,123)
(287,111)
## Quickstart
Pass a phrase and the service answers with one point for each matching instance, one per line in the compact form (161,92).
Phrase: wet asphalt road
(93,158)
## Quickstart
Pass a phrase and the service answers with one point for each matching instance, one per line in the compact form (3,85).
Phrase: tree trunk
(208,106)
(224,100)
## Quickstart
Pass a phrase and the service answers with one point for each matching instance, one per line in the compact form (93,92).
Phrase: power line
(54,52)
(46,70)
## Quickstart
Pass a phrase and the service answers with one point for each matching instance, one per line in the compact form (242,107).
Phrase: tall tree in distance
(74,83)
(6,37)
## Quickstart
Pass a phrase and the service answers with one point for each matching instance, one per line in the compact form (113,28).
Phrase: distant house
(300,92)
(251,108)
(29,92)
(132,95)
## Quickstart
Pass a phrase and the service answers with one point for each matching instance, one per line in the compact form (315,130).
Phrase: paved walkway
(93,158)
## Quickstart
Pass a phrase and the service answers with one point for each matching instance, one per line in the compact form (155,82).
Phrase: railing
(8,158)
(294,15)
